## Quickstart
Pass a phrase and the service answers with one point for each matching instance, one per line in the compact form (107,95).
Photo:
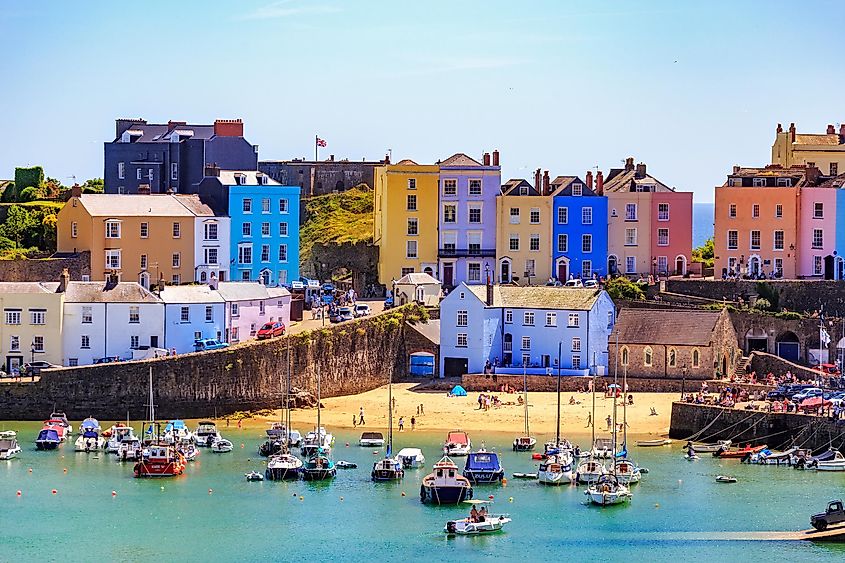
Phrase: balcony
(466,252)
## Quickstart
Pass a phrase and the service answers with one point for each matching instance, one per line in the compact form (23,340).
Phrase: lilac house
(467,223)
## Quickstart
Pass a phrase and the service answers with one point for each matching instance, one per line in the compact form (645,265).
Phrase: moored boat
(89,440)
(608,491)
(483,467)
(61,419)
(710,448)
(160,460)
(206,433)
(9,448)
(115,434)
(445,485)
(177,432)
(837,463)
(627,472)
(222,446)
(768,457)
(556,469)
(411,458)
(478,523)
(653,443)
(283,467)
(90,423)
(316,440)
(387,469)
(590,471)
(740,453)
(8,434)
(319,467)
(49,437)
(190,451)
(457,443)
(371,440)
(526,442)
(602,448)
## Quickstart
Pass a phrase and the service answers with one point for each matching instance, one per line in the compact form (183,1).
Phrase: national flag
(825,337)
(321,142)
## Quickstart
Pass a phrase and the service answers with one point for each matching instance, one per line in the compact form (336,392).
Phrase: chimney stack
(212,170)
(736,168)
(842,131)
(812,174)
(228,127)
(171,125)
(485,159)
(387,159)
(546,189)
(589,180)
(640,170)
(537,185)
(599,183)
(792,132)
(780,128)
(496,157)
(629,164)
(831,130)
(331,158)
(64,279)
(76,190)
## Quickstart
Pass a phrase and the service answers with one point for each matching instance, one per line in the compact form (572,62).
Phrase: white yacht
(590,470)
(411,458)
(314,441)
(556,469)
(89,440)
(206,433)
(607,491)
(9,448)
(118,433)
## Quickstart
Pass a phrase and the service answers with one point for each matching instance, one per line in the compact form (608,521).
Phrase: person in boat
(577,451)
(473,514)
(482,514)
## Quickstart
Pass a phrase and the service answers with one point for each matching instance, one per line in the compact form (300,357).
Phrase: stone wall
(417,342)
(322,177)
(763,363)
(353,357)
(777,430)
(359,258)
(480,382)
(795,295)
(46,269)
(758,325)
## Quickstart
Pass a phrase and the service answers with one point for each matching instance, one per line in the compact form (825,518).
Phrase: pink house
(671,237)
(816,230)
(251,304)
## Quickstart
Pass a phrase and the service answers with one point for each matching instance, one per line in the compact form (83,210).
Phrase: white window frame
(184,314)
(534,216)
(121,170)
(113,259)
(177,230)
(586,243)
(450,187)
(528,318)
(284,208)
(74,229)
(174,171)
(562,215)
(525,343)
(283,253)
(573,320)
(246,205)
(462,318)
(551,318)
(113,229)
(662,214)
(265,205)
(461,340)
(586,215)
(474,187)
(563,237)
(411,249)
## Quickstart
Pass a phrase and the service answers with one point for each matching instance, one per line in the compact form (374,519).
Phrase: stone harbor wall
(46,269)
(351,358)
(477,382)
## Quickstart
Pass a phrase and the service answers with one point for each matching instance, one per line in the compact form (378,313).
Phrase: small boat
(89,440)
(483,467)
(116,434)
(590,471)
(90,423)
(283,467)
(768,457)
(60,427)
(254,476)
(740,453)
(317,440)
(627,472)
(319,467)
(457,443)
(222,446)
(371,440)
(206,433)
(8,434)
(48,438)
(710,448)
(61,418)
(653,443)
(485,524)
(9,448)
(190,451)
(556,469)
(346,465)
(837,463)
(160,460)
(602,448)
(445,485)
(177,432)
(388,469)
(411,458)
(524,475)
(524,443)
(725,479)
(608,491)
(130,448)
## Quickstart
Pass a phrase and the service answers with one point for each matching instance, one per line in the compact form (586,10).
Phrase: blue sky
(690,88)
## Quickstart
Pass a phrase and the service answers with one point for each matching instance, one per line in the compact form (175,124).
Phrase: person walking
(413,423)
(609,421)
(589,420)
(354,421)
(361,417)
(401,424)
(422,409)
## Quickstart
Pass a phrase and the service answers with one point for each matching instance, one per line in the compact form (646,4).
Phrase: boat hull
(318,474)
(555,477)
(47,444)
(152,469)
(364,443)
(458,451)
(484,476)
(524,444)
(608,499)
(431,494)
(9,454)
(282,473)
(465,527)
(387,475)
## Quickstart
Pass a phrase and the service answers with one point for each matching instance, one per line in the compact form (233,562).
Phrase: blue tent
(458,391)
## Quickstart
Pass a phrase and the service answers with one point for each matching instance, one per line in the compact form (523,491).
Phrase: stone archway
(788,346)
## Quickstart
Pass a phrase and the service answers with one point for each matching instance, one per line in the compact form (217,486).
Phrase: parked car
(807,394)
(271,330)
(834,514)
(778,394)
(34,368)
(388,303)
(203,344)
(574,283)
(342,314)
(362,310)
(591,284)
(107,360)
(553,283)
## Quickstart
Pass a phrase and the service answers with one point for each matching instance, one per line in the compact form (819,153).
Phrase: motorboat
(482,524)
(602,448)
(8,434)
(119,433)
(590,471)
(254,476)
(524,443)
(653,443)
(61,418)
(627,472)
(222,446)
(411,458)
(206,433)
(559,445)
(740,453)
(371,440)
(710,448)
(278,437)
(130,448)
(768,457)
(49,438)
(90,423)
(317,440)
(608,491)
(388,469)
(345,465)
(271,446)
(457,443)
(556,469)
(445,485)
(283,467)
(89,440)
(725,479)
(524,475)
(190,451)
(60,427)
(9,448)
(177,432)
(837,463)
(318,467)
(160,460)
(483,467)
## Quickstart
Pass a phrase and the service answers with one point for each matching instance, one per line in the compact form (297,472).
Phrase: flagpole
(316,147)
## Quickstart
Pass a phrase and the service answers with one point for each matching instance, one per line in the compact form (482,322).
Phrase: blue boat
(48,439)
(483,467)
(318,468)
(445,485)
(90,423)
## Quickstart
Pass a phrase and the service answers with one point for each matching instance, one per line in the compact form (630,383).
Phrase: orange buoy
(347,444)
(504,481)
(490,497)
(65,470)
(242,446)
(55,491)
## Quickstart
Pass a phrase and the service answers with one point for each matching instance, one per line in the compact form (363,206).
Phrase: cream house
(31,328)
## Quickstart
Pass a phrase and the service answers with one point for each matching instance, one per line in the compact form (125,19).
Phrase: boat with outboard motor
(769,457)
(61,418)
(117,433)
(739,453)
(254,476)
(89,440)
(457,443)
(49,437)
(483,467)
(190,451)
(8,434)
(9,448)
(206,433)
(90,423)
(371,440)
(836,463)
(445,485)
(411,458)
(478,523)
(222,446)
(177,432)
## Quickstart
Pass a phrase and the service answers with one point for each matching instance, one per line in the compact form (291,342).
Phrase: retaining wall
(480,382)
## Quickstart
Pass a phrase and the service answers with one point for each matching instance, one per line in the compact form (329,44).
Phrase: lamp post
(32,350)
(487,273)
(683,380)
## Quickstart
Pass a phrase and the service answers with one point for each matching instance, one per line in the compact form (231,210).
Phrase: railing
(464,252)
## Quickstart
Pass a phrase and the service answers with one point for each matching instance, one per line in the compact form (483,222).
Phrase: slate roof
(621,180)
(823,139)
(227,178)
(536,297)
(242,291)
(662,326)
(28,287)
(160,133)
(460,159)
(562,186)
(430,330)
(190,294)
(134,205)
(511,187)
(417,278)
(101,292)
(278,292)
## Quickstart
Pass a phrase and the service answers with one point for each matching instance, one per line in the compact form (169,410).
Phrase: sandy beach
(444,413)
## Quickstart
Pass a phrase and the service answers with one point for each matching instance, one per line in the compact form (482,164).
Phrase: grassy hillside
(337,218)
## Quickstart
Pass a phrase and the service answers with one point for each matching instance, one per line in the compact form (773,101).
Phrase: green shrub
(31,177)
(10,193)
(28,194)
(768,292)
(762,304)
(623,288)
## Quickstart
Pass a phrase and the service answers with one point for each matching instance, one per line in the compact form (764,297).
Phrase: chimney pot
(589,180)
(792,132)
(842,130)
(600,183)
(736,168)
(387,159)
(831,130)
(537,185)
(641,170)
(629,164)
(546,189)
(496,157)
(331,158)
(780,128)
(485,158)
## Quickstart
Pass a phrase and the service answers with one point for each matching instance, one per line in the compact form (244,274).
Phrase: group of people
(485,401)
(478,515)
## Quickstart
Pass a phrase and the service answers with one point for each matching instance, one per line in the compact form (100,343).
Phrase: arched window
(265,277)
(203,277)
(624,355)
(673,358)
(648,355)
(696,358)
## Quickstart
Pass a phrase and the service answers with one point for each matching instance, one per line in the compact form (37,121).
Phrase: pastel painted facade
(192,312)
(109,319)
(545,328)
(31,326)
(816,232)
(649,223)
(579,229)
(417,288)
(467,224)
(212,254)
(406,211)
(824,151)
(140,238)
(523,239)
(248,305)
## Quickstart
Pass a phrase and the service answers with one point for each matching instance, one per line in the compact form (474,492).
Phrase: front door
(448,274)
(506,272)
(154,341)
(562,271)
(13,364)
(455,367)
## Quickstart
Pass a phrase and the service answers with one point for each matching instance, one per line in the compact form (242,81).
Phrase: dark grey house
(155,158)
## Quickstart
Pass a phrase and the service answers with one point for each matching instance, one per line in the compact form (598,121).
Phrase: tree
(704,253)
(18,222)
(10,193)
(93,186)
(28,194)
(29,177)
(623,288)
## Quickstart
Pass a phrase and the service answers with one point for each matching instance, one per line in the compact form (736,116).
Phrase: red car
(271,330)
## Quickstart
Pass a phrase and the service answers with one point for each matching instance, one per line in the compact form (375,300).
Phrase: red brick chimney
(546,189)
(841,131)
(171,125)
(831,130)
(496,157)
(629,164)
(387,159)
(599,183)
(589,180)
(641,170)
(792,132)
(75,190)
(485,158)
(228,127)
(537,185)
(780,128)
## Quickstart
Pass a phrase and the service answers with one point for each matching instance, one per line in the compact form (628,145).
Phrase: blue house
(579,229)
(174,156)
(550,330)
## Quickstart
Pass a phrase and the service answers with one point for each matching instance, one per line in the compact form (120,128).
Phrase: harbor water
(213,514)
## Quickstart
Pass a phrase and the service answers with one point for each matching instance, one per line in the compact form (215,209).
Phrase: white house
(211,248)
(109,319)
(251,304)
(191,312)
(417,287)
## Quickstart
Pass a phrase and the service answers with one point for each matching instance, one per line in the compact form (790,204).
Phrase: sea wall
(763,363)
(777,430)
(479,383)
(353,357)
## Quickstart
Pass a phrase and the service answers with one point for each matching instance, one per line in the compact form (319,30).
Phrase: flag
(321,142)
(825,338)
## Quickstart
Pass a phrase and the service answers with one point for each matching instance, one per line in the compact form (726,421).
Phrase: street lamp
(32,349)
(683,380)
(487,272)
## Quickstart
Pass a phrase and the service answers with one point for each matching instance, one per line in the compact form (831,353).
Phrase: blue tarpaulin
(459,391)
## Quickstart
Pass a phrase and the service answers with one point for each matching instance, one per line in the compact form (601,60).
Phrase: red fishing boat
(738,453)
(160,460)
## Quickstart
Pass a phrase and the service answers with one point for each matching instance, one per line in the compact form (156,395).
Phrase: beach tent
(458,391)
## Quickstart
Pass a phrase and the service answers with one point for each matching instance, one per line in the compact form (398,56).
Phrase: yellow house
(141,238)
(32,323)
(523,234)
(824,151)
(406,219)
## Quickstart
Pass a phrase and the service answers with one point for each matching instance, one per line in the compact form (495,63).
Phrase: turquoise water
(266,521)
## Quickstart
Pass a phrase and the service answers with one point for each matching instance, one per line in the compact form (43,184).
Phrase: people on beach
(589,420)
(401,424)
(354,421)
(609,421)
(413,423)
(361,417)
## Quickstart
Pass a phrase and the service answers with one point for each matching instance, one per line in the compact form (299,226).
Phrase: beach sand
(444,413)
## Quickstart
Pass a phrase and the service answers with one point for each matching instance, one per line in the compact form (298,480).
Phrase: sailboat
(627,472)
(526,442)
(556,469)
(607,490)
(283,465)
(319,466)
(159,458)
(590,470)
(389,468)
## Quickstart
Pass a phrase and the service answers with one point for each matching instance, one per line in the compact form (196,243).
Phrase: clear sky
(690,88)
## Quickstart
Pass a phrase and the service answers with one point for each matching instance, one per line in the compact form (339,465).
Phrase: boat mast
(625,409)
(594,409)
(319,436)
(525,394)
(557,432)
(286,445)
(615,390)
(389,415)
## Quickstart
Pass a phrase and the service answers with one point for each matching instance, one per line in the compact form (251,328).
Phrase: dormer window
(240,179)
(262,179)
(577,189)
(523,190)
